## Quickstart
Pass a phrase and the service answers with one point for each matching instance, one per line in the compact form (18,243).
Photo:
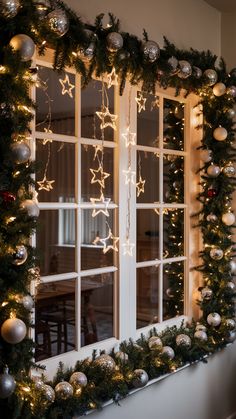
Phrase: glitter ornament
(155,343)
(216,253)
(213,319)
(105,362)
(230,323)
(210,76)
(140,378)
(48,393)
(24,45)
(213,170)
(206,293)
(228,218)
(220,134)
(20,152)
(64,390)
(183,340)
(173,62)
(230,336)
(206,155)
(13,330)
(168,352)
(185,69)
(58,22)
(78,379)
(219,89)
(229,170)
(231,91)
(87,53)
(201,327)
(7,384)
(151,51)
(9,8)
(38,383)
(197,72)
(20,255)
(114,42)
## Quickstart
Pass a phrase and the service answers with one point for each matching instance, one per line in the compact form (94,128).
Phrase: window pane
(54,319)
(148,122)
(92,250)
(173,226)
(55,241)
(56,161)
(147,235)
(55,102)
(173,178)
(173,290)
(148,171)
(173,135)
(147,296)
(89,161)
(91,102)
(96,308)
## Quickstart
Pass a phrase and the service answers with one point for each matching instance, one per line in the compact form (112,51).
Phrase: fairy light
(141,182)
(141,102)
(67,86)
(112,78)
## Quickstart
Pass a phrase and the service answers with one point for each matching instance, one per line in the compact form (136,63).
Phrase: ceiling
(223,5)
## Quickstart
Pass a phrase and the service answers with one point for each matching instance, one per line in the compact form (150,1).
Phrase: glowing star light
(45,184)
(47,140)
(112,78)
(97,149)
(129,176)
(128,248)
(129,137)
(141,101)
(108,119)
(110,239)
(99,176)
(104,202)
(140,185)
(67,87)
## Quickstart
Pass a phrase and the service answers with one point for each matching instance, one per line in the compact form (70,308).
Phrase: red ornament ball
(211,193)
(7,197)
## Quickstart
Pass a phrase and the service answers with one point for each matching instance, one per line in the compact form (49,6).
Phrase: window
(90,294)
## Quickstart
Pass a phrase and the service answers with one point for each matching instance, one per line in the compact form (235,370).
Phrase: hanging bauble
(114,41)
(140,378)
(200,335)
(230,285)
(31,207)
(206,155)
(20,152)
(230,336)
(229,170)
(105,362)
(122,356)
(231,113)
(211,192)
(213,170)
(197,72)
(183,340)
(232,265)
(48,393)
(220,134)
(151,51)
(42,7)
(173,62)
(78,379)
(168,352)
(7,197)
(27,302)
(216,253)
(230,323)
(211,218)
(20,255)
(213,319)
(201,327)
(9,8)
(185,69)
(87,53)
(231,91)
(228,218)
(24,45)
(7,384)
(210,76)
(58,22)
(206,293)
(155,343)
(64,390)
(38,383)
(219,89)
(13,330)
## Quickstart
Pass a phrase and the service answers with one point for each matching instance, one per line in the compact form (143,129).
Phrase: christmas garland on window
(97,50)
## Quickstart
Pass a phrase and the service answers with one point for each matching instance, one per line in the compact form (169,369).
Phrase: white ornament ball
(228,218)
(20,152)
(201,327)
(105,362)
(122,356)
(155,343)
(219,89)
(78,379)
(7,384)
(206,293)
(230,336)
(24,45)
(213,319)
(200,335)
(49,393)
(216,253)
(114,41)
(213,170)
(231,286)
(232,265)
(64,390)
(151,51)
(231,91)
(13,331)
(220,134)
(9,8)
(31,207)
(206,155)
(27,302)
(168,352)
(140,378)
(185,69)
(183,340)
(58,22)
(210,76)
(20,255)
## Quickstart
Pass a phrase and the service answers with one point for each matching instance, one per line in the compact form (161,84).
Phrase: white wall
(228,49)
(201,391)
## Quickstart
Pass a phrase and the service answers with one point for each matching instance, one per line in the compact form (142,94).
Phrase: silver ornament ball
(232,265)
(219,89)
(183,340)
(78,379)
(185,69)
(87,53)
(230,323)
(197,72)
(64,390)
(122,356)
(7,384)
(173,62)
(229,170)
(20,255)
(216,253)
(24,45)
(155,343)
(231,91)
(13,330)
(9,8)
(140,378)
(151,51)
(231,113)
(48,393)
(20,152)
(168,352)
(201,327)
(206,155)
(228,218)
(212,218)
(114,41)
(220,134)
(213,170)
(58,22)
(105,362)
(213,319)
(230,336)
(31,207)
(210,76)
(38,383)
(230,286)
(206,293)
(27,302)
(200,335)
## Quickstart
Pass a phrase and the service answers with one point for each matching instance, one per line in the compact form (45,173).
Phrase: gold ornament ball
(220,134)
(105,362)
(155,343)
(64,390)
(9,8)
(219,89)
(13,330)
(24,45)
(183,340)
(78,379)
(229,170)
(216,253)
(48,393)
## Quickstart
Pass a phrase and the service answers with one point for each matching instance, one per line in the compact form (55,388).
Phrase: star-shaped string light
(129,137)
(140,185)
(96,240)
(129,176)
(141,101)
(112,78)
(155,103)
(110,238)
(99,176)
(47,140)
(104,202)
(45,184)
(67,87)
(108,119)
(97,149)
(128,248)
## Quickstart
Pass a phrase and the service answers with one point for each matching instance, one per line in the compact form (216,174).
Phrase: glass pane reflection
(173,134)
(173,290)
(147,235)
(147,296)
(96,308)
(148,170)
(54,319)
(148,122)
(173,226)
(173,178)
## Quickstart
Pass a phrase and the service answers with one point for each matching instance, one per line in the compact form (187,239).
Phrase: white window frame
(124,308)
